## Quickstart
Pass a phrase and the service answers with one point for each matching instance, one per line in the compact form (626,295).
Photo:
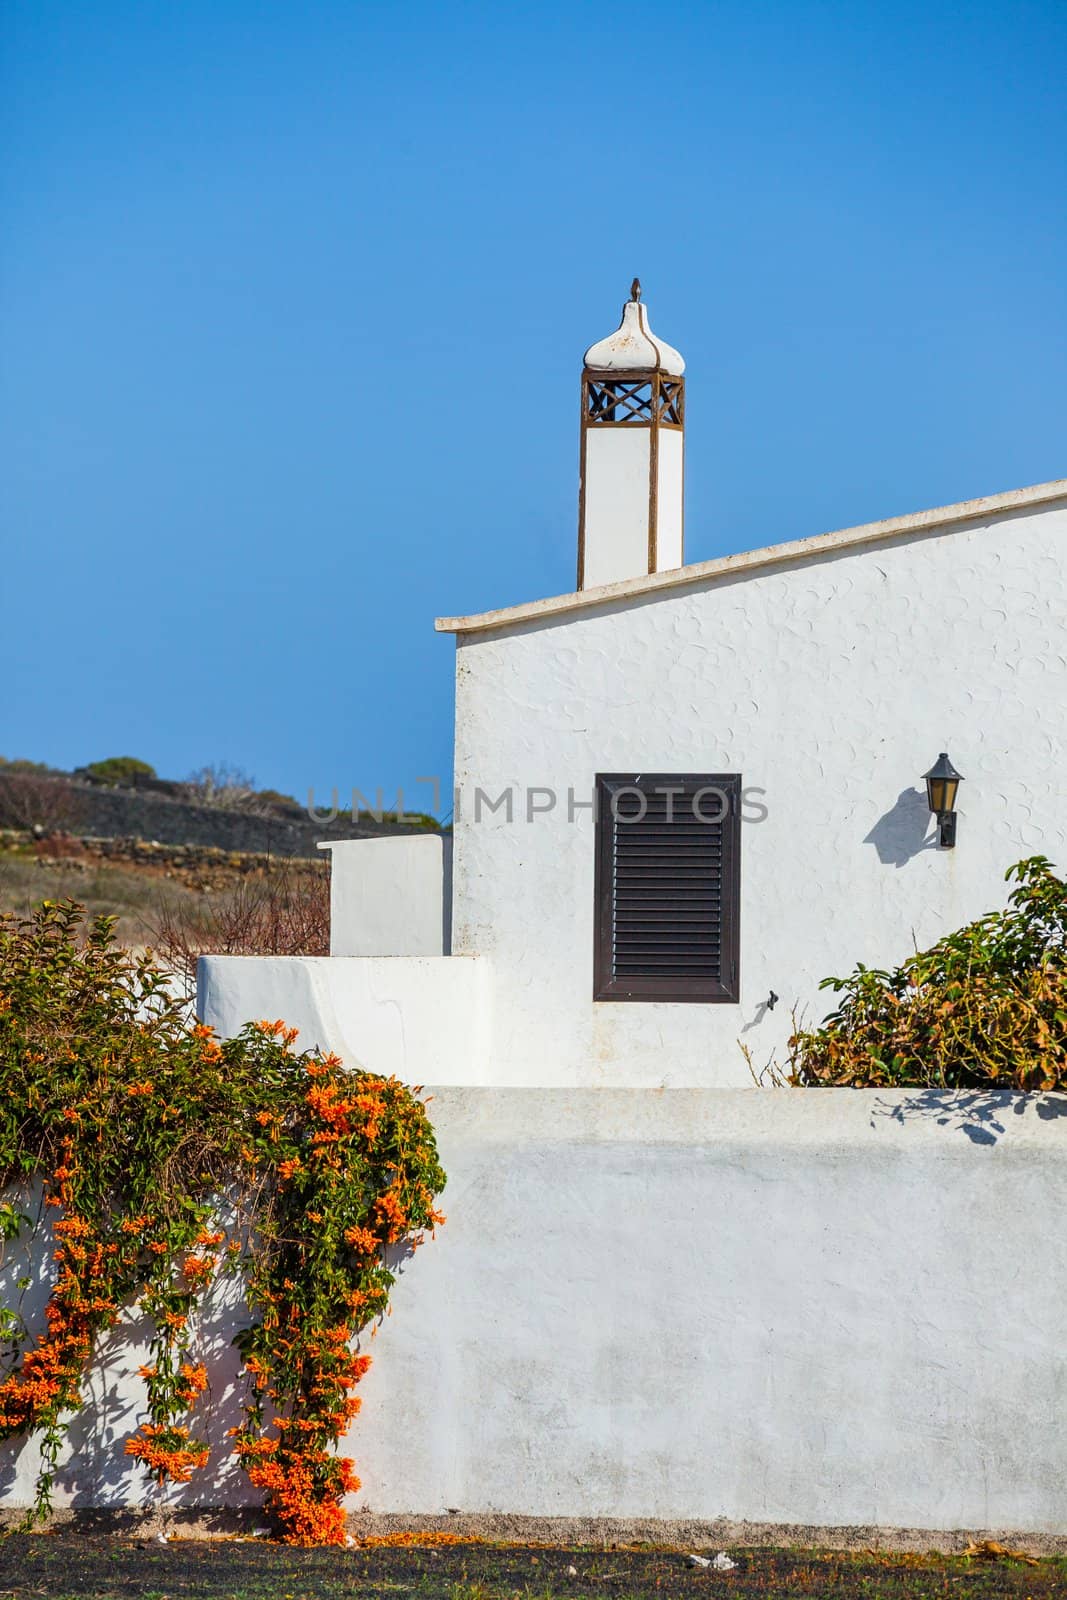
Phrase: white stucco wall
(807,1307)
(390,897)
(831,683)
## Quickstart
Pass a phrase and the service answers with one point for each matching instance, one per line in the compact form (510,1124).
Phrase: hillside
(204,864)
(221,810)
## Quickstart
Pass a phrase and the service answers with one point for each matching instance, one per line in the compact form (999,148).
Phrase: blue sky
(293,300)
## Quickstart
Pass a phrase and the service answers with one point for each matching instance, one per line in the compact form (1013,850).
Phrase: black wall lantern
(942,781)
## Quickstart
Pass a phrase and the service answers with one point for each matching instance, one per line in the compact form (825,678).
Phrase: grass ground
(62,1565)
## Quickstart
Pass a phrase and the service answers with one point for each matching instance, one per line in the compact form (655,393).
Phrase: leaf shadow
(981,1115)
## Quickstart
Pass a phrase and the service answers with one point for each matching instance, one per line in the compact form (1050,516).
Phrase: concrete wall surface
(799,1306)
(416,1017)
(818,1307)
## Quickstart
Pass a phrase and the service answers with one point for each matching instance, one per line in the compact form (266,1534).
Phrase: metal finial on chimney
(635,289)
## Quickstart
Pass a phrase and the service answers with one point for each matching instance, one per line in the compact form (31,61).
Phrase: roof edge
(751,560)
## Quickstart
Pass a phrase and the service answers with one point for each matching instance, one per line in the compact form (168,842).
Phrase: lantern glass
(942,782)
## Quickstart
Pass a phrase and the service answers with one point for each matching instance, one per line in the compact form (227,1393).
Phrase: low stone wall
(812,1309)
(153,813)
(120,813)
(195,865)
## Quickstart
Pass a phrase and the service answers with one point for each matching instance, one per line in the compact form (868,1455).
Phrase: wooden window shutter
(668,856)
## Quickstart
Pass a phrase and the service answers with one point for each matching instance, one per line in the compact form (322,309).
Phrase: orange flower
(75,1227)
(198,1269)
(392,1212)
(167,1452)
(363,1240)
(277,1030)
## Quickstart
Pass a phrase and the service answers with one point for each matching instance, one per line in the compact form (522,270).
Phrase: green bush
(421,820)
(120,769)
(985,1007)
(33,769)
(274,797)
(135,1120)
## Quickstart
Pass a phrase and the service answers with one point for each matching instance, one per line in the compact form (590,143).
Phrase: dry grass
(122,890)
(238,905)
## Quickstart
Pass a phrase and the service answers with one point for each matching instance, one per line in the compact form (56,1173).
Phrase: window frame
(678,988)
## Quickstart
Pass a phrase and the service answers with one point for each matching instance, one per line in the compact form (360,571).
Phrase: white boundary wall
(823,1307)
(815,1307)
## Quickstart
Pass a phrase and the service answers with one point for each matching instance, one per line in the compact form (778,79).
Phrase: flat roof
(751,560)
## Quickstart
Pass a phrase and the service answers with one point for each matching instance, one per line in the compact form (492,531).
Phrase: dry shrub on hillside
(59,847)
(41,805)
(228,788)
(283,911)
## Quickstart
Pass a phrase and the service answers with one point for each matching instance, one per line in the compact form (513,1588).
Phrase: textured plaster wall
(831,684)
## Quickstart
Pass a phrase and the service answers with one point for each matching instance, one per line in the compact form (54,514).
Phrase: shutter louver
(667,876)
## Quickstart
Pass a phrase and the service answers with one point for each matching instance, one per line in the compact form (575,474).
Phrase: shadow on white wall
(901,833)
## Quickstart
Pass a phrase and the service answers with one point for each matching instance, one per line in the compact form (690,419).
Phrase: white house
(685,794)
(813,684)
(664,1292)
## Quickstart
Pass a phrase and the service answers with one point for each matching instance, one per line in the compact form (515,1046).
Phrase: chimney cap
(633,347)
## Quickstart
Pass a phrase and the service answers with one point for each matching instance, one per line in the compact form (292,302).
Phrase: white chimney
(633,453)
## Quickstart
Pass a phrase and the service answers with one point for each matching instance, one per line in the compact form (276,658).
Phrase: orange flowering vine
(140,1123)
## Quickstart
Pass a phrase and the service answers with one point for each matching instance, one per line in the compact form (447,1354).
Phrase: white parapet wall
(390,897)
(415,1017)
